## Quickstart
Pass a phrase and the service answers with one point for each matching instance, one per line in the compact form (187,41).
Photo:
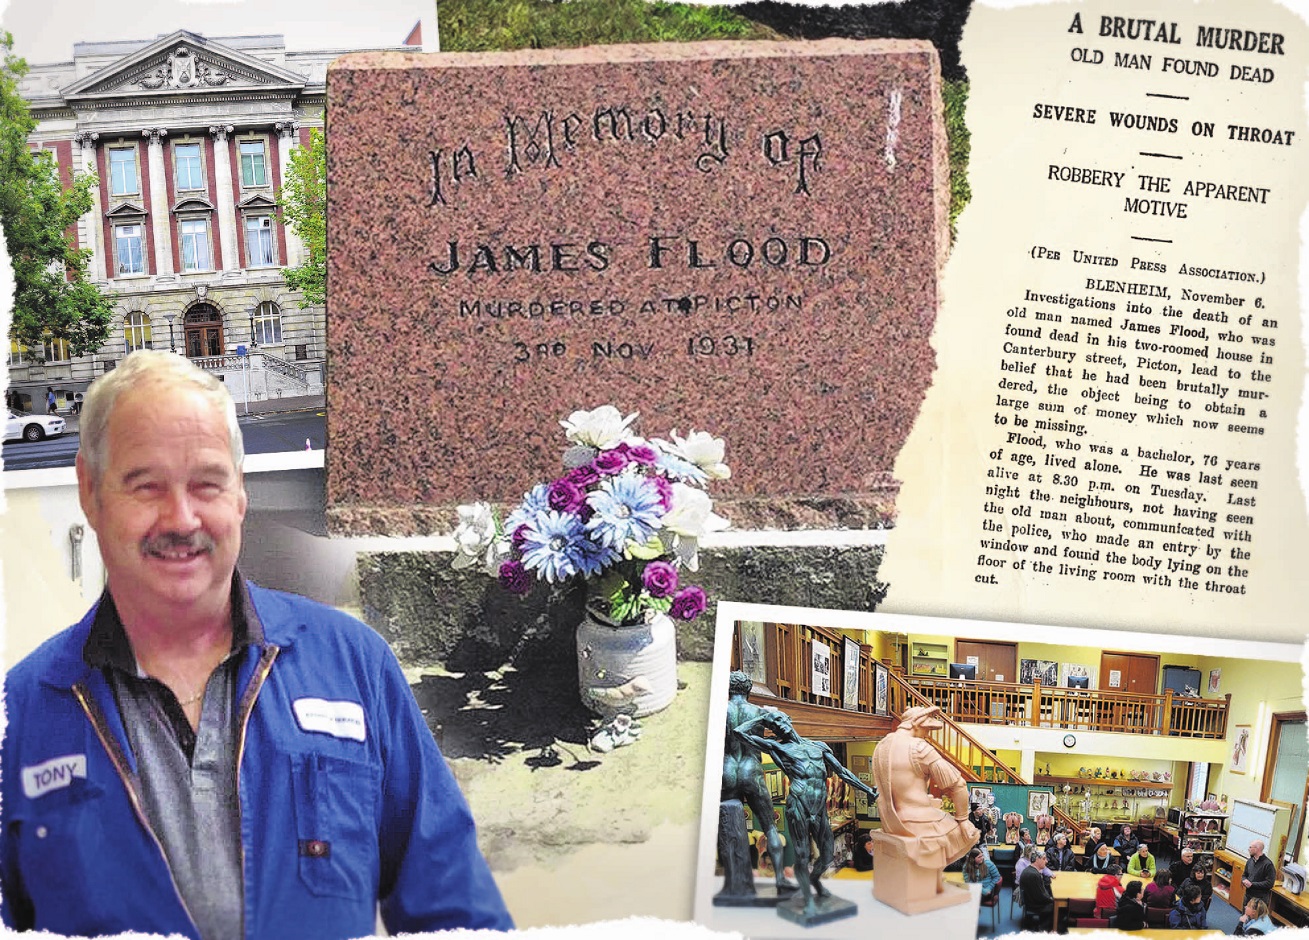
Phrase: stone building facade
(190,138)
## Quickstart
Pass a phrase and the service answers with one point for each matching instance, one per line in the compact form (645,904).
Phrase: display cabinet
(930,659)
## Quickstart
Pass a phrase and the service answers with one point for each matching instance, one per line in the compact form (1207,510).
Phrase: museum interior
(1206,752)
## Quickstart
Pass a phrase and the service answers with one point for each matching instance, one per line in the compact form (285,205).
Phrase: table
(1078,884)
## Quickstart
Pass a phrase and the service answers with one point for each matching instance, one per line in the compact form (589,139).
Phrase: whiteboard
(1251,820)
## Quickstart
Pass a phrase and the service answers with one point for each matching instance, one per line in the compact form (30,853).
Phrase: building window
(136,330)
(253,170)
(122,171)
(268,324)
(17,353)
(57,350)
(190,175)
(259,241)
(127,245)
(195,245)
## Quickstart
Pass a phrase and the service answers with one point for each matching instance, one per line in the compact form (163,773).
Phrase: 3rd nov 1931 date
(702,345)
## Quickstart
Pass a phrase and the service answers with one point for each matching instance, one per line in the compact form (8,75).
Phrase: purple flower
(643,453)
(664,489)
(514,577)
(516,540)
(583,476)
(689,603)
(566,496)
(610,462)
(659,578)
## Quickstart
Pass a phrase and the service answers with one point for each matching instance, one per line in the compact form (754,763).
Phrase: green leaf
(651,549)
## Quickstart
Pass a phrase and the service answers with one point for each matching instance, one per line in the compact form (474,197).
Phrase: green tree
(304,207)
(52,296)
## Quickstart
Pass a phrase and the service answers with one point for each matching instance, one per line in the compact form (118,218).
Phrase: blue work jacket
(346,802)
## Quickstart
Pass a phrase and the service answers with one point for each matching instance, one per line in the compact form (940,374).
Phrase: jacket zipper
(247,707)
(116,758)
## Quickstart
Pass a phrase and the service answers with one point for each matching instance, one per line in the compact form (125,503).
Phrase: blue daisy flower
(680,469)
(534,501)
(627,508)
(593,558)
(553,545)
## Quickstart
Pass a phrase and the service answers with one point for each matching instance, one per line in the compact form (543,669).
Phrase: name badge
(54,774)
(339,719)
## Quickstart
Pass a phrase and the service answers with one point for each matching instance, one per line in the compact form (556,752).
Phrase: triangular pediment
(193,204)
(127,210)
(183,62)
(256,201)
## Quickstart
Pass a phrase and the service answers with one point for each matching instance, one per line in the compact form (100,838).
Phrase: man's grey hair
(141,368)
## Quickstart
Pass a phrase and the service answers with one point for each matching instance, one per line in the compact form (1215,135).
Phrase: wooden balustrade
(1038,706)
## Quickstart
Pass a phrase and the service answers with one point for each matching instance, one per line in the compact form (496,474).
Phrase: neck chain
(193,699)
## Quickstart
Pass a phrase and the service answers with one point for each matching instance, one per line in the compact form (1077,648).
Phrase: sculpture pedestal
(734,855)
(907,886)
(826,910)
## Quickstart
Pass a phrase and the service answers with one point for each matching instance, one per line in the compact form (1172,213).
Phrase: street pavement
(262,434)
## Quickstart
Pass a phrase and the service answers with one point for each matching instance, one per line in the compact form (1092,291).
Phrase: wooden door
(996,662)
(1136,673)
(1129,672)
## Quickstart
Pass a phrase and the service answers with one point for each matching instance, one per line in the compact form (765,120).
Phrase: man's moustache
(173,541)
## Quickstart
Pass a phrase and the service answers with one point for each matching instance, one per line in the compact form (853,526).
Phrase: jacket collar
(271,620)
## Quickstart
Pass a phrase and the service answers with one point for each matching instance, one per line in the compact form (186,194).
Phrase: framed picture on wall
(978,795)
(754,663)
(880,680)
(1038,803)
(850,685)
(1240,759)
(1215,680)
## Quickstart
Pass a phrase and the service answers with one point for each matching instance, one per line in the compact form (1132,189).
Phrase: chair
(1156,917)
(1093,922)
(1080,909)
(992,901)
(1106,912)
(1015,899)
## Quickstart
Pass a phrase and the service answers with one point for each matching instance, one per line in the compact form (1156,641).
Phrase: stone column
(226,214)
(286,138)
(92,232)
(159,207)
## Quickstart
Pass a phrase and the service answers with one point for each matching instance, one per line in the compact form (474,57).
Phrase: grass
(489,25)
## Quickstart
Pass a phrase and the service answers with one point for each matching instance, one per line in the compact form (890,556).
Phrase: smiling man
(200,756)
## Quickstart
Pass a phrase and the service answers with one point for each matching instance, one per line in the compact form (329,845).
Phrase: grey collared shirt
(186,780)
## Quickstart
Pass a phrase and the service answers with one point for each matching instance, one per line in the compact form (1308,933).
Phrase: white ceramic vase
(626,668)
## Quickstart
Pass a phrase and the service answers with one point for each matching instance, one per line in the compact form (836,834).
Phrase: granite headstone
(743,238)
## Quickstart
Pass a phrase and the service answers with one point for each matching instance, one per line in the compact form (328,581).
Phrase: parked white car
(32,427)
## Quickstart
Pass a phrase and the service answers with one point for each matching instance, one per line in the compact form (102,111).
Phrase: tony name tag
(54,774)
(339,719)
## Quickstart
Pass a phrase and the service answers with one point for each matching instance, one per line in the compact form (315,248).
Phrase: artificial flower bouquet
(627,514)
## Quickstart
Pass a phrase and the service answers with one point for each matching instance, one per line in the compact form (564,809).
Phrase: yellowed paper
(1110,436)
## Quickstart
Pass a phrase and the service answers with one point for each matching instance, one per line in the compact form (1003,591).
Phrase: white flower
(691,519)
(602,428)
(475,538)
(705,451)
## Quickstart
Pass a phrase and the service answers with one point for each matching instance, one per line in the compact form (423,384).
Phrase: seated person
(1200,878)
(1109,888)
(981,822)
(1255,922)
(1059,856)
(1130,913)
(1091,844)
(1142,862)
(1025,860)
(1025,837)
(979,869)
(1188,911)
(1034,886)
(863,852)
(1102,859)
(1181,867)
(1160,892)
(1126,842)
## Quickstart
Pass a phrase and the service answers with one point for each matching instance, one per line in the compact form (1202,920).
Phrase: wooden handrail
(1036,705)
(959,747)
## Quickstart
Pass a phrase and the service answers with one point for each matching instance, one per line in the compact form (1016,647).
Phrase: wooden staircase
(976,762)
